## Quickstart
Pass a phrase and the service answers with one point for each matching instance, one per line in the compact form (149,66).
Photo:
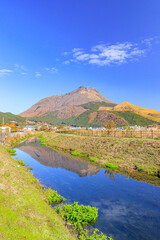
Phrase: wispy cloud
(24,73)
(66,62)
(112,54)
(65,53)
(19,68)
(5,71)
(52,70)
(37,74)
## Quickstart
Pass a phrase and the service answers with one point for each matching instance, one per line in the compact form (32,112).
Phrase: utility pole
(3,122)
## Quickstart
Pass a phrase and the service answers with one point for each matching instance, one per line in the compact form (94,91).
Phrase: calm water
(128,209)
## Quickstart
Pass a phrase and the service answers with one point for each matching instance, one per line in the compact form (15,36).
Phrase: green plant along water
(127,209)
(53,197)
(79,215)
(11,151)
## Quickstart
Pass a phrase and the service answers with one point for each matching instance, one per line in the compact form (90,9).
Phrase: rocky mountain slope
(66,103)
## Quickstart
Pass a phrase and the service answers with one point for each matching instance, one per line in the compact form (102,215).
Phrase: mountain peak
(77,97)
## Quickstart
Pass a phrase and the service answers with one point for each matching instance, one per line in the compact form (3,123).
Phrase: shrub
(53,197)
(111,166)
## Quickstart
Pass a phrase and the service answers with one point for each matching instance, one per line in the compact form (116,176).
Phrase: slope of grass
(24,212)
(128,155)
(8,117)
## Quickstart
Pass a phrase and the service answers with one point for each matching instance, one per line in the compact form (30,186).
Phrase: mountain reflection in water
(50,158)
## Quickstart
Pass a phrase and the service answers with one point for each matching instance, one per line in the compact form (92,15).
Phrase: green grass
(24,212)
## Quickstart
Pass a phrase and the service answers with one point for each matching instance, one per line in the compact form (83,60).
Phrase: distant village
(29,126)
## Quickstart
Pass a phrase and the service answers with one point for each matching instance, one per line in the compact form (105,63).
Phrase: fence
(115,133)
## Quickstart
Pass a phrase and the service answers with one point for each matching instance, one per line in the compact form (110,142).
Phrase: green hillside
(81,120)
(95,105)
(133,118)
(8,117)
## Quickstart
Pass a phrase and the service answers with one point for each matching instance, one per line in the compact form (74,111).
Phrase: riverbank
(25,214)
(137,158)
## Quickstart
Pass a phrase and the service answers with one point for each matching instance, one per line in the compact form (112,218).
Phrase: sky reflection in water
(128,209)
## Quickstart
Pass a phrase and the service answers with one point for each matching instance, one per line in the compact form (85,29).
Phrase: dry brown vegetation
(128,153)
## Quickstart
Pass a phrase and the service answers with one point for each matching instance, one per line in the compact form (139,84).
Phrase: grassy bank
(138,158)
(24,212)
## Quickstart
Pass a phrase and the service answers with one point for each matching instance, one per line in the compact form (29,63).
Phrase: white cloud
(52,70)
(37,74)
(5,71)
(109,54)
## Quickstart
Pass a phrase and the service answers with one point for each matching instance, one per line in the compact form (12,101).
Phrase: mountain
(96,114)
(66,103)
(9,117)
(87,107)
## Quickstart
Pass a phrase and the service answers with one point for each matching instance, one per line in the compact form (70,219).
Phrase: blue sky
(52,47)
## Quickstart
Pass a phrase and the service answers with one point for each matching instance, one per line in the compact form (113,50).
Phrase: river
(128,209)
